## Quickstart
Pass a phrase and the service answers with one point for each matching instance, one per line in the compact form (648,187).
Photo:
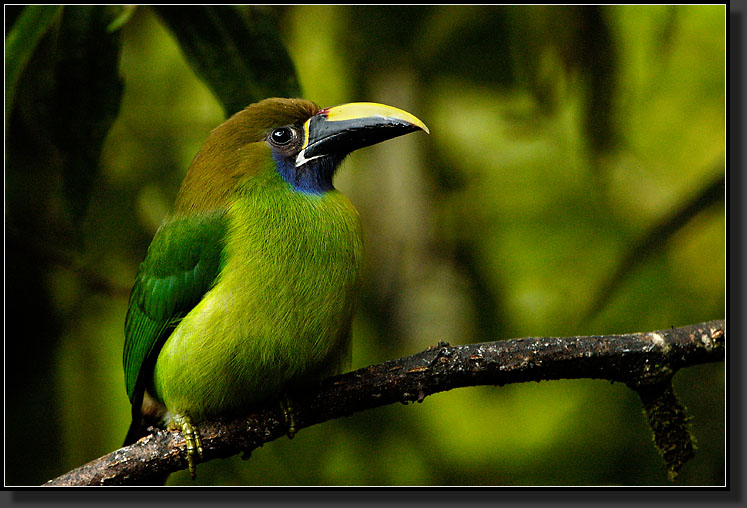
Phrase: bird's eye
(281,136)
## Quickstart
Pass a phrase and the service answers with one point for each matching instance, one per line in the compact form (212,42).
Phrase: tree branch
(645,362)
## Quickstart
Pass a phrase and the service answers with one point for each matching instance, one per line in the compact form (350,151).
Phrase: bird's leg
(184,424)
(286,405)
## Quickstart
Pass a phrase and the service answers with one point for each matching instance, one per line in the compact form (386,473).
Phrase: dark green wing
(182,264)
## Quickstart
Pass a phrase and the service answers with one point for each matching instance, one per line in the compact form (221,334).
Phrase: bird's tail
(138,429)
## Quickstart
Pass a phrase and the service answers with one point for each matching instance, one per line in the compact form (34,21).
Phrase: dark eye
(281,136)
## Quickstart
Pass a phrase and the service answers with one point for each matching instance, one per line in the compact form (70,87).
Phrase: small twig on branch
(656,238)
(644,361)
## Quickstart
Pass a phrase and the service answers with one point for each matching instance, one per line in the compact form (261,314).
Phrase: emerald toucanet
(249,285)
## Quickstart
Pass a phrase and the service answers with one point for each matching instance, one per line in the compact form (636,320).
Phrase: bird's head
(301,142)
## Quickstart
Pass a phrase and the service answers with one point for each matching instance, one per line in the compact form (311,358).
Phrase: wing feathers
(182,264)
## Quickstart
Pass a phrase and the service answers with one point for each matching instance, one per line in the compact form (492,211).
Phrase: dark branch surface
(644,361)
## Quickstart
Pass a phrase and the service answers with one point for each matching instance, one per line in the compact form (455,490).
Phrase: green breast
(280,311)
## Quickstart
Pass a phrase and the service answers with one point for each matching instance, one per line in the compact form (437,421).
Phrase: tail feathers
(139,429)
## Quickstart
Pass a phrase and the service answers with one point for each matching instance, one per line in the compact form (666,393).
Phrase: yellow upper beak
(364,110)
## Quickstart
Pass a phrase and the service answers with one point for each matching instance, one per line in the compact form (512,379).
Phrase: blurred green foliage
(561,137)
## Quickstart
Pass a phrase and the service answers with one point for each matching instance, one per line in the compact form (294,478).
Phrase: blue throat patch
(314,177)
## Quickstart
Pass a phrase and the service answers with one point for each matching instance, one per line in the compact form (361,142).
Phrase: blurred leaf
(87,96)
(236,50)
(20,43)
(121,20)
(66,100)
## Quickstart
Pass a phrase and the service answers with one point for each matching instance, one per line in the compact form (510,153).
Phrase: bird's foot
(184,424)
(286,406)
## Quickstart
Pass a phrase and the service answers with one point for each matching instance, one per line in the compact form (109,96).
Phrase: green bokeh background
(560,136)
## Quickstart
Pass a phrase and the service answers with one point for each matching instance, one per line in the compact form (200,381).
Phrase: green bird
(249,286)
